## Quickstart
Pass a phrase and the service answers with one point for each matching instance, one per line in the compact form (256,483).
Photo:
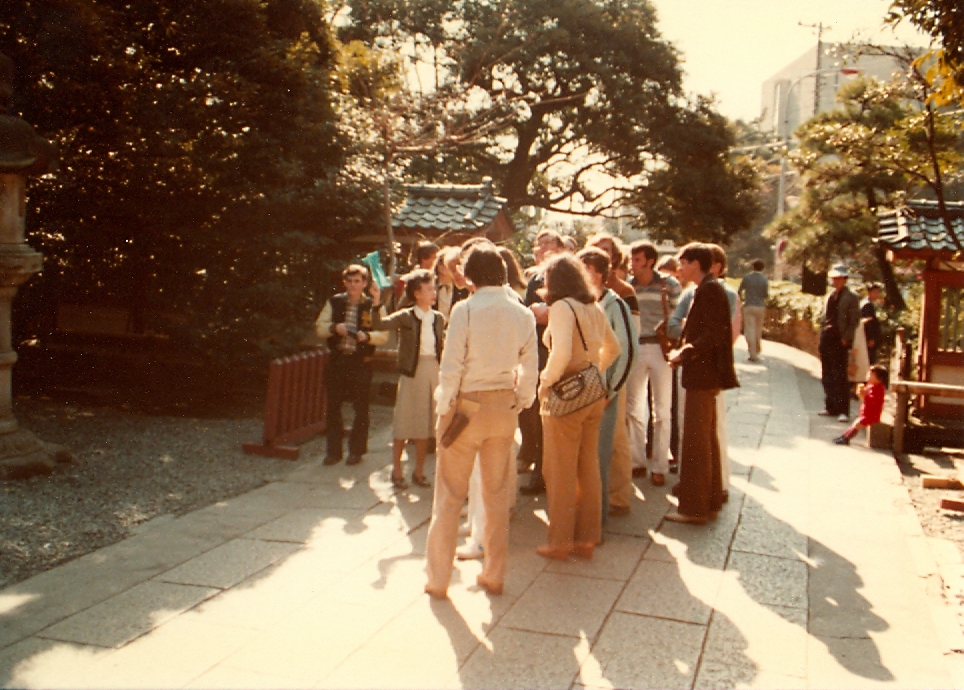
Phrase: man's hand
(341,330)
(541,312)
(675,357)
(375,292)
(361,337)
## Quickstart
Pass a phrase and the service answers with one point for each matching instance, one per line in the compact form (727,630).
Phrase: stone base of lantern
(23,455)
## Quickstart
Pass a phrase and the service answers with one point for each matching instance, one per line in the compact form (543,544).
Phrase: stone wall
(798,333)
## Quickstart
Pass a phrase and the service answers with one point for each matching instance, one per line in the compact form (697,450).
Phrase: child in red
(872,395)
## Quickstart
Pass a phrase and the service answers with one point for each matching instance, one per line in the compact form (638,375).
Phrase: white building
(809,85)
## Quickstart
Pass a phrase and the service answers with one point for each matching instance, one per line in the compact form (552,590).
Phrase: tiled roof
(919,227)
(452,207)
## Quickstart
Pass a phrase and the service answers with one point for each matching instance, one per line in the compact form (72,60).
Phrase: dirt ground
(935,521)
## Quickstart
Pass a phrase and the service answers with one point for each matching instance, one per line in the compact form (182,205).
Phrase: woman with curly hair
(578,334)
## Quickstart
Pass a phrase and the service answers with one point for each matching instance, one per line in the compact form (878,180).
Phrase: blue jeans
(607,433)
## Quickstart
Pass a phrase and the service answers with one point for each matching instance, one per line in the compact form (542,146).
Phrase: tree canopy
(884,143)
(944,21)
(201,158)
(592,93)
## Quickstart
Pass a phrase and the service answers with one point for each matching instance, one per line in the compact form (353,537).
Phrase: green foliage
(201,174)
(877,148)
(702,193)
(586,94)
(944,21)
(793,303)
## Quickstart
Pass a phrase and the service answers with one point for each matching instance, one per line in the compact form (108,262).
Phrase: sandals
(399,482)
(420,480)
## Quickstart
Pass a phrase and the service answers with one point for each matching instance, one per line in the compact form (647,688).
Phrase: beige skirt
(415,403)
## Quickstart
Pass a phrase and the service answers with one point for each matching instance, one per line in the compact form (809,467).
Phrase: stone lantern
(22,153)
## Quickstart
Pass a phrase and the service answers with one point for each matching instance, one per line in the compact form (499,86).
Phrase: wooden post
(900,422)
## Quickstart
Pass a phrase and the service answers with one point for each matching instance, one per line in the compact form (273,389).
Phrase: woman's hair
(512,268)
(597,258)
(619,249)
(668,264)
(485,267)
(416,279)
(446,257)
(425,250)
(566,277)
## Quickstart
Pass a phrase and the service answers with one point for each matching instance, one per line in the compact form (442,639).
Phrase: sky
(730,47)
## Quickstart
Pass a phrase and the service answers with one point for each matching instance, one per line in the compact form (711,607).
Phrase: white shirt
(490,346)
(426,343)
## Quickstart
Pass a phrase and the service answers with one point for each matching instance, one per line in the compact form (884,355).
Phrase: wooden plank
(271,451)
(941,483)
(950,504)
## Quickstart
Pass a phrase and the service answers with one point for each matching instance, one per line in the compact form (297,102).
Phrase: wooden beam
(942,390)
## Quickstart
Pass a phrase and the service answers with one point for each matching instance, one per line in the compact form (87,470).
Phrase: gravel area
(128,468)
(936,522)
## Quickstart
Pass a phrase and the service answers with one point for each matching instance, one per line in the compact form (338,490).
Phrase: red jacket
(872,405)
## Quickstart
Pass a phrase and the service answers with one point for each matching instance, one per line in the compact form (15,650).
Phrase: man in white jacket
(488,374)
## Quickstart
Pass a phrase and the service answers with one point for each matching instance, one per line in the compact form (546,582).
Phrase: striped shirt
(650,298)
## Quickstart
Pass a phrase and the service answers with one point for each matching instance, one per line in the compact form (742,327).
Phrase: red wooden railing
(295,405)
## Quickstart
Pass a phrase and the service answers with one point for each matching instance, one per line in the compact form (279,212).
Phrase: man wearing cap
(841,315)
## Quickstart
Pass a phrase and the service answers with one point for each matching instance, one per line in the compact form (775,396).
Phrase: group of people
(582,354)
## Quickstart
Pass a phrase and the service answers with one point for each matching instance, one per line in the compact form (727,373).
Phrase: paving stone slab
(747,641)
(229,564)
(311,643)
(762,533)
(857,663)
(523,659)
(673,591)
(643,652)
(589,600)
(304,525)
(267,597)
(36,603)
(127,616)
(616,559)
(769,580)
(227,677)
(170,656)
(38,663)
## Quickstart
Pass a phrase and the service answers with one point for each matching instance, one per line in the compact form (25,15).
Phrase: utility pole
(820,27)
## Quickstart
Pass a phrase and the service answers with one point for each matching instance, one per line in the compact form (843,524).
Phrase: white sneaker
(843,418)
(469,552)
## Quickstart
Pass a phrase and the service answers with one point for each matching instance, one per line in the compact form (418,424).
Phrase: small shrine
(919,231)
(452,213)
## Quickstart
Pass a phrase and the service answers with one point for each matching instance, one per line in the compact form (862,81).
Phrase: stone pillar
(22,153)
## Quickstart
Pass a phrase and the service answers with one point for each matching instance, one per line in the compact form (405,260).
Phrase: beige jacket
(566,353)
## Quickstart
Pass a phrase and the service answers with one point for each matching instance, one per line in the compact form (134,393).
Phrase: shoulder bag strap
(629,332)
(578,327)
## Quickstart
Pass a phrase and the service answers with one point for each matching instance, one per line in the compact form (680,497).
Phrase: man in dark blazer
(706,356)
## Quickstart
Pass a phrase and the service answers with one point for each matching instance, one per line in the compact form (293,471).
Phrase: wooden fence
(294,406)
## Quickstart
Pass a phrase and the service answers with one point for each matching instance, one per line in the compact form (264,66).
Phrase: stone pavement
(816,574)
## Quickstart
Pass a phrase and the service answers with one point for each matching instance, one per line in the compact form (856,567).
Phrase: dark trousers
(348,378)
(700,472)
(530,426)
(833,364)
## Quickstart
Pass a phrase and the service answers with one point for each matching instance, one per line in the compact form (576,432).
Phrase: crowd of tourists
(609,360)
